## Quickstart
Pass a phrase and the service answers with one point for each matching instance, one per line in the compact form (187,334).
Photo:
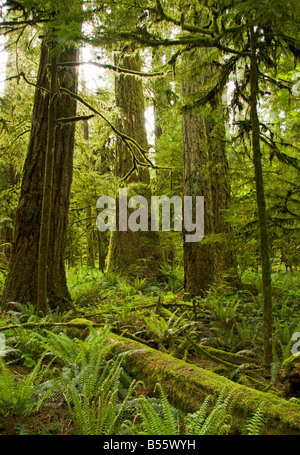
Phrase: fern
(74,351)
(255,424)
(93,402)
(194,422)
(90,380)
(168,330)
(215,422)
(165,422)
(19,398)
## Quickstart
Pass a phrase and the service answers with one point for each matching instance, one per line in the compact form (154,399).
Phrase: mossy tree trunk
(22,280)
(132,253)
(48,180)
(161,97)
(206,174)
(88,213)
(261,205)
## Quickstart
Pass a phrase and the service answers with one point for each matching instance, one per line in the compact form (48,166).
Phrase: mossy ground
(225,327)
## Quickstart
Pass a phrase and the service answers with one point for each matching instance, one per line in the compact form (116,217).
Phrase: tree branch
(27,22)
(113,68)
(22,74)
(74,119)
(128,141)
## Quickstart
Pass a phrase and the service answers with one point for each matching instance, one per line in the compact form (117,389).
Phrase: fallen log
(187,386)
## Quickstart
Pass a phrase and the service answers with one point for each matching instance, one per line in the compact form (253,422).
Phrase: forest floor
(221,333)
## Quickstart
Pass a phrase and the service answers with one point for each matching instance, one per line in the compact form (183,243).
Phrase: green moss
(289,364)
(188,385)
(80,322)
(230,357)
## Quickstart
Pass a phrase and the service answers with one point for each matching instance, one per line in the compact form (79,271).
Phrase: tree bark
(132,253)
(22,280)
(261,206)
(48,180)
(206,174)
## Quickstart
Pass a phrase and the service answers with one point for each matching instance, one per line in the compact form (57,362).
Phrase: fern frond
(194,422)
(215,422)
(20,398)
(255,424)
(171,421)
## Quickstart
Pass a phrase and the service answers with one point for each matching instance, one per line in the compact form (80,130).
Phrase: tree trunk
(206,174)
(89,238)
(161,90)
(22,280)
(88,212)
(101,251)
(261,207)
(48,180)
(132,253)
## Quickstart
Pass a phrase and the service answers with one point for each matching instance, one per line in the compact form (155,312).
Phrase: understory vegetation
(59,374)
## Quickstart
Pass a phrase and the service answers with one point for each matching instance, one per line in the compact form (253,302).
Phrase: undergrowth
(72,373)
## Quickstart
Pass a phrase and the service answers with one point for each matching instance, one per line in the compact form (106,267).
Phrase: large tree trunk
(206,174)
(48,181)
(10,170)
(88,212)
(261,207)
(133,253)
(21,284)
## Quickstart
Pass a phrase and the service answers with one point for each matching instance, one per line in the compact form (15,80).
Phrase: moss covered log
(188,385)
(289,375)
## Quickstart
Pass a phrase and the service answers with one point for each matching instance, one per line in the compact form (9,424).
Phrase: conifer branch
(15,139)
(22,75)
(161,15)
(75,119)
(6,24)
(128,141)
